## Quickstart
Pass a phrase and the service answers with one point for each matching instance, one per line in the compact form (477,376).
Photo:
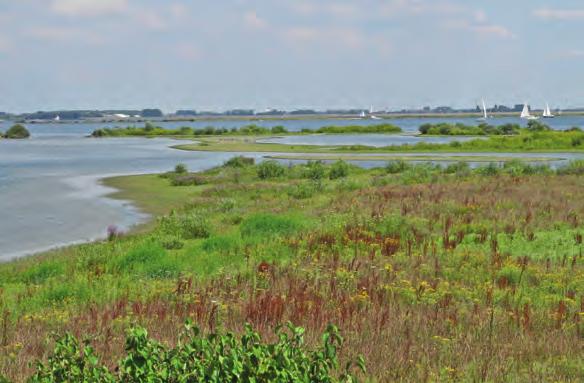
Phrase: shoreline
(141,217)
(383,116)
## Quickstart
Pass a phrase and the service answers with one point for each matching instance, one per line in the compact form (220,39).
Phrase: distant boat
(57,118)
(371,115)
(485,116)
(547,113)
(526,115)
(362,115)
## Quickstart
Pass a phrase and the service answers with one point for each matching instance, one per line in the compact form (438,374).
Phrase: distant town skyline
(290,54)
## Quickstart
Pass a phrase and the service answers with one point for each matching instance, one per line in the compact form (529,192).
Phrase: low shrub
(396,167)
(459,168)
(340,169)
(270,169)
(181,169)
(239,162)
(214,358)
(303,190)
(314,170)
(189,180)
(575,167)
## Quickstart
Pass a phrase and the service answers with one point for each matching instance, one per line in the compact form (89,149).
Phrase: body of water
(50,193)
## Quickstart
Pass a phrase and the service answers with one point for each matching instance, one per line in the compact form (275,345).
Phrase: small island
(150,130)
(17,131)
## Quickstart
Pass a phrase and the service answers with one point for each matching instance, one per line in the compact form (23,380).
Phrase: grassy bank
(432,274)
(410,158)
(546,141)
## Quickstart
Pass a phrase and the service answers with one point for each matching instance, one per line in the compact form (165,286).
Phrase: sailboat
(547,113)
(485,116)
(371,115)
(57,118)
(526,115)
(362,115)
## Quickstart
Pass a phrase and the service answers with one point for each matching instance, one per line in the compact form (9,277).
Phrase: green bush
(492,169)
(214,358)
(314,170)
(180,169)
(270,169)
(339,169)
(459,168)
(239,162)
(395,167)
(303,190)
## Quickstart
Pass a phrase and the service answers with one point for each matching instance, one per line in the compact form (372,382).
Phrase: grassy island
(150,130)
(17,131)
(401,273)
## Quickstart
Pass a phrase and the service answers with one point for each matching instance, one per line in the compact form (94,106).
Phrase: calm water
(49,185)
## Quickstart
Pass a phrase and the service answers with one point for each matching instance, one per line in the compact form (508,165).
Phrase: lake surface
(49,185)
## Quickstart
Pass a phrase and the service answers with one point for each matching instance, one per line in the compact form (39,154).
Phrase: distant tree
(151,113)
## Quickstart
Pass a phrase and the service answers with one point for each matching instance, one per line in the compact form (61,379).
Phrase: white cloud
(559,14)
(75,8)
(252,20)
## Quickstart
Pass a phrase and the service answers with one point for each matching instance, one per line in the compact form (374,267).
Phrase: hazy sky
(288,53)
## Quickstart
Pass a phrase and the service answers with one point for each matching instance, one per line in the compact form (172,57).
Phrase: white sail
(362,115)
(484,110)
(547,111)
(525,111)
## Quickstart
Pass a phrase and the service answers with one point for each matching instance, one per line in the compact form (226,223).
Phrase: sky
(288,54)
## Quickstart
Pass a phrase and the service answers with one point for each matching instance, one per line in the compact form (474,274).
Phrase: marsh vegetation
(430,273)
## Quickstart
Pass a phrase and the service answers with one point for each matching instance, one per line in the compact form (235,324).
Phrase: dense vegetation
(150,130)
(212,359)
(17,131)
(483,129)
(359,129)
(431,273)
(546,140)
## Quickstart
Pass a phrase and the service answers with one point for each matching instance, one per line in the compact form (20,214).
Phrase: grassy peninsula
(524,141)
(428,273)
